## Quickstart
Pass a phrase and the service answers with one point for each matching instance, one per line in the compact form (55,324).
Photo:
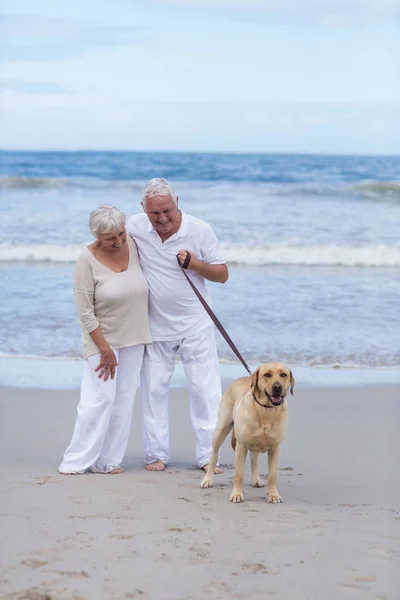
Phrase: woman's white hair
(158,187)
(106,219)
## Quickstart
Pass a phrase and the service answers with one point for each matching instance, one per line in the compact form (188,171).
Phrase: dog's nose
(277,388)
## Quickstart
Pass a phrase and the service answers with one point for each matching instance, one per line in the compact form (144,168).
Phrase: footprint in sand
(200,552)
(182,529)
(36,593)
(260,567)
(34,563)
(41,480)
(350,585)
(138,593)
(148,480)
(219,586)
(78,574)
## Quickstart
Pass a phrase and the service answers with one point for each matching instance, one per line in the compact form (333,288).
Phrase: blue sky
(210,75)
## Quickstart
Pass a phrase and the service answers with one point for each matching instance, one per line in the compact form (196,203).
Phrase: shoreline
(158,536)
(66,373)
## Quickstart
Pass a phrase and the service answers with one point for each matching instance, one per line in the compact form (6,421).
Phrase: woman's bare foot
(157,465)
(217,470)
(116,471)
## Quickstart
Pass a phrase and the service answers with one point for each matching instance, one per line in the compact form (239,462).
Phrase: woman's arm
(84,298)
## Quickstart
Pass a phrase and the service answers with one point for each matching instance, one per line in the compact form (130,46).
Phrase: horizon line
(230,152)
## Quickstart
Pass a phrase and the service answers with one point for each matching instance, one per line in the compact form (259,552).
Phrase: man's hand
(217,273)
(182,254)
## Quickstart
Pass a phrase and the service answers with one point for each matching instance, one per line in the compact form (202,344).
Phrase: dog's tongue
(276,399)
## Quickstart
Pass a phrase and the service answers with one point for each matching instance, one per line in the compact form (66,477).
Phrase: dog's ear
(254,379)
(292,382)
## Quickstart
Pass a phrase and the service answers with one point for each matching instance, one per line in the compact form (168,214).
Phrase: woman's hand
(107,365)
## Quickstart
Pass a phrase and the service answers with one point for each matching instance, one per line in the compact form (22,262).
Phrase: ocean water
(312,242)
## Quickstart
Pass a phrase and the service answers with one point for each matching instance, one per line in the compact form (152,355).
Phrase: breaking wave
(369,189)
(310,256)
(379,188)
(86,183)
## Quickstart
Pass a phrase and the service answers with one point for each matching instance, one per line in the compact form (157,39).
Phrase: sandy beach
(158,536)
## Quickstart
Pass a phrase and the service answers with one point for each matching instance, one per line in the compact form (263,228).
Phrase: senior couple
(137,312)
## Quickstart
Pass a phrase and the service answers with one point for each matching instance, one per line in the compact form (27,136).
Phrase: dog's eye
(267,374)
(283,375)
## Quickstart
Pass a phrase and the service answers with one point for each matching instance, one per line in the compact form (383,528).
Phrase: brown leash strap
(210,312)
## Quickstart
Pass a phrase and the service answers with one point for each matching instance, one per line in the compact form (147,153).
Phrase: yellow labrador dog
(256,408)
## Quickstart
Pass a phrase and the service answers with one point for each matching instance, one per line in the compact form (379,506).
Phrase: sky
(309,76)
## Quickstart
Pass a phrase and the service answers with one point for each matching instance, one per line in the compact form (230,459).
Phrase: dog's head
(271,382)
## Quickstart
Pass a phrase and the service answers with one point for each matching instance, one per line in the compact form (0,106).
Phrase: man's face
(162,213)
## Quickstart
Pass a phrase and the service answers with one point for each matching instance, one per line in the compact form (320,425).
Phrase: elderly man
(178,323)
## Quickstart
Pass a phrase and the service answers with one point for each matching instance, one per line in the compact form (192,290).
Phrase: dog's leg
(222,429)
(256,480)
(240,459)
(273,494)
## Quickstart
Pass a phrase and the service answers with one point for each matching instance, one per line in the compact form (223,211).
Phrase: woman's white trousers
(103,422)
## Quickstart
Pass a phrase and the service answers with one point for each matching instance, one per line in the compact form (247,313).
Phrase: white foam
(369,188)
(37,253)
(316,255)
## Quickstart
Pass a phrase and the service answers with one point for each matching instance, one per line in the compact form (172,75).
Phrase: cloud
(32,87)
(39,38)
(327,12)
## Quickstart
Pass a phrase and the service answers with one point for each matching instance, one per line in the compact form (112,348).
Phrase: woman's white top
(117,302)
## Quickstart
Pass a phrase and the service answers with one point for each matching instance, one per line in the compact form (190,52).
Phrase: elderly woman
(111,295)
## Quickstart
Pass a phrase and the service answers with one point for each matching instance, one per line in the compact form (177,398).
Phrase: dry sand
(158,536)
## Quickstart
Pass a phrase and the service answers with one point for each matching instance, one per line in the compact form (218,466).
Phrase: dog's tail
(233,440)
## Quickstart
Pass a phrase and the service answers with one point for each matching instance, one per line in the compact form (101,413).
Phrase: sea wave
(375,189)
(314,256)
(379,256)
(389,190)
(86,183)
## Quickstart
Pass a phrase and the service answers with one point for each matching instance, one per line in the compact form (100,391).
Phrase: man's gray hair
(106,219)
(158,187)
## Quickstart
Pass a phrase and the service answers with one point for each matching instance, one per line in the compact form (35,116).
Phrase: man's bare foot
(217,470)
(116,471)
(157,465)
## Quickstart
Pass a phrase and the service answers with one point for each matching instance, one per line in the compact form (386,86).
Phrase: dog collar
(266,405)
(263,405)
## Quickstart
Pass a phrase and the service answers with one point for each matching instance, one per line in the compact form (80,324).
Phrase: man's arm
(217,273)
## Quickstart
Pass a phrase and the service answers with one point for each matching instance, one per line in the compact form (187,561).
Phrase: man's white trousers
(104,416)
(198,354)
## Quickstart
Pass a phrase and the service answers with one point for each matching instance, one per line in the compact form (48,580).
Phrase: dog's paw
(206,483)
(236,497)
(258,482)
(274,498)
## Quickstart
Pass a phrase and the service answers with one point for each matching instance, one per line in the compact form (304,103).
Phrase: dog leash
(218,324)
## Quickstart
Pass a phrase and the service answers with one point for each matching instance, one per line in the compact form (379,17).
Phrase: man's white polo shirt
(175,312)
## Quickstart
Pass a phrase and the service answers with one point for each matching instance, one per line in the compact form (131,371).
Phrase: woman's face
(114,241)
